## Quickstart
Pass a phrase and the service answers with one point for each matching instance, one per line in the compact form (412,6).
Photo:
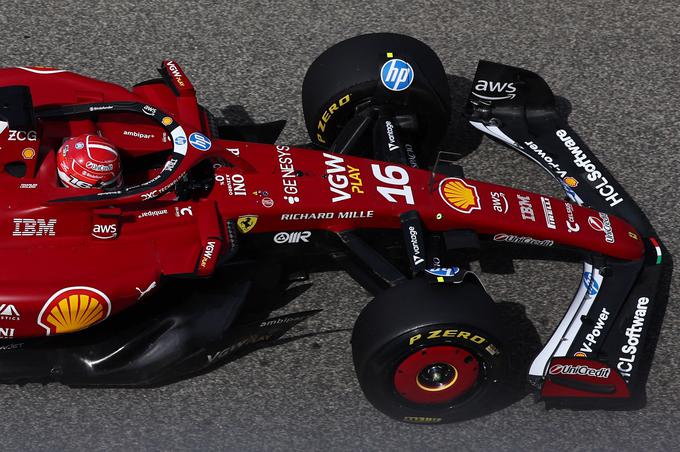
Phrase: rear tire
(346,79)
(432,353)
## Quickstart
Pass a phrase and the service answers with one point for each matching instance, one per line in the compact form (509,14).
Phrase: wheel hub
(437,375)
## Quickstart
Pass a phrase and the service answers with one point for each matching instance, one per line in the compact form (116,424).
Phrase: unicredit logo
(97,167)
(568,369)
(596,224)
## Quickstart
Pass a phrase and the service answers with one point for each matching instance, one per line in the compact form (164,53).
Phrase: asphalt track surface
(615,62)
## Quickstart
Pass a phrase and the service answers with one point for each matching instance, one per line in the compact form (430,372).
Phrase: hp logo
(396,75)
(200,141)
(592,287)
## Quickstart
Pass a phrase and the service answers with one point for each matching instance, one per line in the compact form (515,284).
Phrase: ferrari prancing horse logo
(246,222)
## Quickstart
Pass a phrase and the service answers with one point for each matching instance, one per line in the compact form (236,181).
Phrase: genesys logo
(288,176)
(568,369)
(492,90)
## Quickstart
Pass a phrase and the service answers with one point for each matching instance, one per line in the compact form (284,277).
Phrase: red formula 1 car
(176,271)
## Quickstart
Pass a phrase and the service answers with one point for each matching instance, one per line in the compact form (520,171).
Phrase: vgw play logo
(396,75)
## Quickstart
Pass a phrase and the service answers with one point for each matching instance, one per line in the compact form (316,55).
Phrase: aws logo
(105,231)
(74,309)
(502,90)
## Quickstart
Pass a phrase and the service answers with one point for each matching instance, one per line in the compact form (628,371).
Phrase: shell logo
(571,181)
(28,153)
(74,309)
(459,195)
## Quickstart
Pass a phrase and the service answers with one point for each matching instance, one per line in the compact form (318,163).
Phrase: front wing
(600,352)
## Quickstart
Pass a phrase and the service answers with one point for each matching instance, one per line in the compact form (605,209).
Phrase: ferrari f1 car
(176,271)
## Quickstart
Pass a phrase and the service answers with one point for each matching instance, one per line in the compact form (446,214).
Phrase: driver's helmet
(89,161)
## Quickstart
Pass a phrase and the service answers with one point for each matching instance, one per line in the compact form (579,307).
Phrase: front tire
(431,353)
(346,80)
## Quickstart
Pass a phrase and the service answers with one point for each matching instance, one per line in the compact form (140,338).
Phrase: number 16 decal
(396,176)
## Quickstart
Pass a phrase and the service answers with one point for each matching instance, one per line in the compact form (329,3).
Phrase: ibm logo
(34,227)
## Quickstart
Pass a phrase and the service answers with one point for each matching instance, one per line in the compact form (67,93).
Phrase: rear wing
(596,352)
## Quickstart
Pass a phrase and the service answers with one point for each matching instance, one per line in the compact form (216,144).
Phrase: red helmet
(89,161)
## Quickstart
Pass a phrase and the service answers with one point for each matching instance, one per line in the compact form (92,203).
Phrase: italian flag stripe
(657,248)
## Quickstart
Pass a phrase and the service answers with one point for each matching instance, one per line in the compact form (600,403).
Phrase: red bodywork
(69,264)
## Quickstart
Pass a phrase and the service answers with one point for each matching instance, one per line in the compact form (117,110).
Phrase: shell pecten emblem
(74,309)
(459,195)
